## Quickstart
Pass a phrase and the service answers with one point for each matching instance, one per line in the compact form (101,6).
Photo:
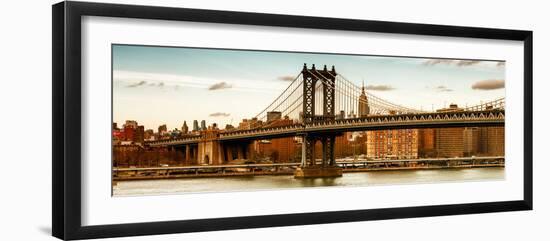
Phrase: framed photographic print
(170,120)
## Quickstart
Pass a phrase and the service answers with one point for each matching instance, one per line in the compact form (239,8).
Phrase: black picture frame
(66,127)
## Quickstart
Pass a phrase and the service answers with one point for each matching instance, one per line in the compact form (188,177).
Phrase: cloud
(490,84)
(219,114)
(219,86)
(379,87)
(459,63)
(467,62)
(137,84)
(187,81)
(286,78)
(443,88)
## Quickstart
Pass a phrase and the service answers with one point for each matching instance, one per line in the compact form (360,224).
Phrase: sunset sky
(168,85)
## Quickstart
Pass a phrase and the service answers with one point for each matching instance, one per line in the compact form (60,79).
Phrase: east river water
(249,183)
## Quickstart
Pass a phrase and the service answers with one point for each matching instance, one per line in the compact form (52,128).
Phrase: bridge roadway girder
(366,127)
(361,124)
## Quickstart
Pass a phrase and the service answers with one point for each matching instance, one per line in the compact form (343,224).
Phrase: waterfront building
(279,149)
(449,142)
(471,141)
(426,143)
(392,144)
(491,141)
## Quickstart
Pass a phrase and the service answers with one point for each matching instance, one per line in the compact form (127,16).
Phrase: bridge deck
(379,122)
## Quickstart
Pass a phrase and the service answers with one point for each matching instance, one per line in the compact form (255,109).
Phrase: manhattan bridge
(325,104)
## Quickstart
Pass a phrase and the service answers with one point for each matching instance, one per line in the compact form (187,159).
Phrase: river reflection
(249,183)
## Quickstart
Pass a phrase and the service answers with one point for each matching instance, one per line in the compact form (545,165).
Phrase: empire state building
(364,109)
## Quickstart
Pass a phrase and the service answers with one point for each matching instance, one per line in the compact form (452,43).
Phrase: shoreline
(290,172)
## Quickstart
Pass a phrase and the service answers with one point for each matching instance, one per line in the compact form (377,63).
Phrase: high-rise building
(247,124)
(149,134)
(195,125)
(471,141)
(131,123)
(203,125)
(139,134)
(162,129)
(491,141)
(273,115)
(129,133)
(364,109)
(449,142)
(278,149)
(426,143)
(452,108)
(184,128)
(392,144)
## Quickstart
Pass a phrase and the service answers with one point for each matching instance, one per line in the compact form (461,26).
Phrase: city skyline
(231,85)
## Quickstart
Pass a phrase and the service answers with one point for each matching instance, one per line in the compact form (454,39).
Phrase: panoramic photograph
(198,120)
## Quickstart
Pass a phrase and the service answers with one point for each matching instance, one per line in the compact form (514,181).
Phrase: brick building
(393,144)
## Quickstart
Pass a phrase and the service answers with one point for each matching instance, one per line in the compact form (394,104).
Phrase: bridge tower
(309,167)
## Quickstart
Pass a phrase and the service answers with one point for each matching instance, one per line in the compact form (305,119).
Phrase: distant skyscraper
(273,115)
(139,134)
(364,109)
(149,134)
(342,115)
(195,125)
(184,128)
(203,125)
(131,123)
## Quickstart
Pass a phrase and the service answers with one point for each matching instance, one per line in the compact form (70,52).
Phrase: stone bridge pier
(212,151)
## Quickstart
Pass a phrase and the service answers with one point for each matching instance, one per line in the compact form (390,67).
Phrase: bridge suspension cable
(281,102)
(376,102)
(347,100)
(352,92)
